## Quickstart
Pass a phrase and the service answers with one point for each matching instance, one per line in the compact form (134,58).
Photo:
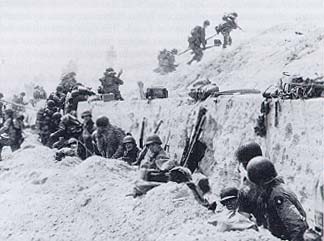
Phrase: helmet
(102,121)
(86,113)
(128,139)
(153,139)
(22,93)
(261,170)
(59,88)
(72,141)
(246,152)
(20,117)
(50,103)
(9,112)
(234,14)
(109,70)
(174,51)
(228,193)
(57,116)
(206,23)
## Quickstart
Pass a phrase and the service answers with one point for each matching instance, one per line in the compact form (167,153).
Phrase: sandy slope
(258,62)
(42,200)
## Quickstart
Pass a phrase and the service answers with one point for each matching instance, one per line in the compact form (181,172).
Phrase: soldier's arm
(119,152)
(5,127)
(291,218)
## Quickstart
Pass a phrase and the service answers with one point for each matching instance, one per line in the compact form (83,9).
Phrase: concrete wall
(295,145)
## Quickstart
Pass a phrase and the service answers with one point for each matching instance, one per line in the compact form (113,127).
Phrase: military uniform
(108,140)
(281,211)
(226,28)
(283,214)
(69,127)
(18,124)
(110,84)
(247,199)
(159,161)
(196,40)
(7,135)
(44,123)
(88,128)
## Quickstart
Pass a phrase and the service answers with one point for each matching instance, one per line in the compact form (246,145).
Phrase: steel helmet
(261,170)
(102,121)
(228,193)
(129,139)
(72,141)
(50,103)
(234,14)
(248,151)
(86,113)
(57,116)
(109,70)
(206,23)
(153,139)
(59,88)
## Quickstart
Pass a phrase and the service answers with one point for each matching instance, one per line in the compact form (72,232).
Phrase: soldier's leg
(226,40)
(118,95)
(229,40)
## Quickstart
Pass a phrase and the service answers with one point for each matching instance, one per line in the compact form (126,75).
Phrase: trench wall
(295,145)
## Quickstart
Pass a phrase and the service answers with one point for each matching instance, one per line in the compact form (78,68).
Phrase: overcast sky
(38,38)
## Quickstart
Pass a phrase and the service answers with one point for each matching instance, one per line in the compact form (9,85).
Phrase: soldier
(8,132)
(130,150)
(154,167)
(232,219)
(69,127)
(249,192)
(68,82)
(282,213)
(108,139)
(156,159)
(55,123)
(39,93)
(19,101)
(110,83)
(88,128)
(79,93)
(58,97)
(167,61)
(226,27)
(197,41)
(18,126)
(44,121)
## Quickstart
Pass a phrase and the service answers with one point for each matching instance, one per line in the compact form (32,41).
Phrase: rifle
(145,149)
(183,52)
(166,144)
(211,36)
(194,149)
(240,28)
(142,134)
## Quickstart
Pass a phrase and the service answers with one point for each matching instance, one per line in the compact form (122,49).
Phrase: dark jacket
(128,156)
(109,140)
(283,214)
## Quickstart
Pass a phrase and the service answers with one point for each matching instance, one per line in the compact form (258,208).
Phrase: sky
(39,39)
